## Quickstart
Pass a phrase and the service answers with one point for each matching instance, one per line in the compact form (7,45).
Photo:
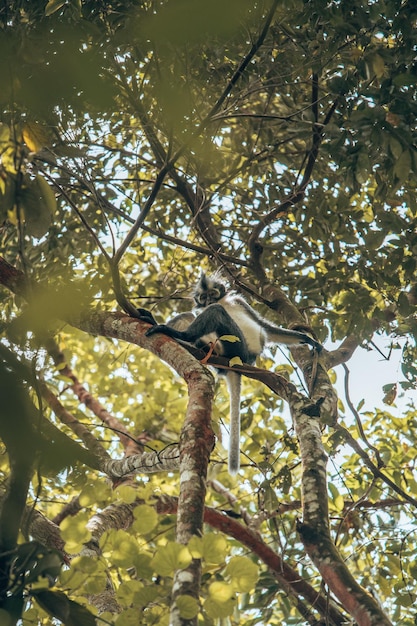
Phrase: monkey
(224,319)
(182,321)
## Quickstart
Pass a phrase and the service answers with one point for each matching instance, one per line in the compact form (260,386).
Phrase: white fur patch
(252,332)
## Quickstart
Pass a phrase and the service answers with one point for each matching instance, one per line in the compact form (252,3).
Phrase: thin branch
(358,419)
(75,425)
(242,66)
(79,214)
(288,578)
(106,206)
(87,398)
(298,194)
(143,214)
(370,465)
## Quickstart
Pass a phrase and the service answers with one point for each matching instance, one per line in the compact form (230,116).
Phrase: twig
(357,417)
(370,465)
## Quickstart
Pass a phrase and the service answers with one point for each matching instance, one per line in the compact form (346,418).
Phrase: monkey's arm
(167,330)
(276,334)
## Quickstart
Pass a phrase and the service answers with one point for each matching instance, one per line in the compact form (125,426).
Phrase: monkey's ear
(202,281)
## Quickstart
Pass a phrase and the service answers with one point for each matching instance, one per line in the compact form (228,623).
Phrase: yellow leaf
(47,194)
(378,65)
(222,592)
(243,573)
(126,493)
(215,548)
(171,557)
(235,361)
(219,610)
(35,136)
(61,366)
(38,202)
(230,338)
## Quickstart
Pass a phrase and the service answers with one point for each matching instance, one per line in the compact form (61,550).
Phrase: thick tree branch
(314,529)
(197,438)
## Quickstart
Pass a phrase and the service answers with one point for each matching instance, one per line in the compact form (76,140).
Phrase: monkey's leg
(213,319)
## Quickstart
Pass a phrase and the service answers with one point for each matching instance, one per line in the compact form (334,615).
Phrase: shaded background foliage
(314,139)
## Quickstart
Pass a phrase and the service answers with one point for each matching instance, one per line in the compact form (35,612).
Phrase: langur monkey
(219,312)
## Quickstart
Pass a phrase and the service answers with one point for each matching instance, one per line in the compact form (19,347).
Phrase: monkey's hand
(159,328)
(146,316)
(312,342)
(304,337)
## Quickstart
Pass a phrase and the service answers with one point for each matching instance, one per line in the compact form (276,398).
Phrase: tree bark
(314,529)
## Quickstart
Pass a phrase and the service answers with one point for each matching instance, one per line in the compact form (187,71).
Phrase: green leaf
(221,591)
(215,548)
(126,493)
(188,607)
(146,518)
(171,557)
(4,134)
(413,570)
(219,610)
(403,166)
(360,404)
(58,605)
(38,203)
(125,548)
(243,573)
(270,498)
(7,195)
(74,531)
(6,619)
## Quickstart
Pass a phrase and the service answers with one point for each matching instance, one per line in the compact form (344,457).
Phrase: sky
(369,372)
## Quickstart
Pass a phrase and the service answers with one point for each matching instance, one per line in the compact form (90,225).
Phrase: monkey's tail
(233,380)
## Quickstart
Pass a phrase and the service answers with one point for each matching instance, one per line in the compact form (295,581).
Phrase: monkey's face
(208,291)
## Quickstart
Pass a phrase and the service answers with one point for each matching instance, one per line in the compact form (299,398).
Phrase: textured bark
(43,530)
(197,441)
(196,444)
(167,460)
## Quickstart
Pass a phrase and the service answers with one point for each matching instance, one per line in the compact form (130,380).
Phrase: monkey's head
(209,290)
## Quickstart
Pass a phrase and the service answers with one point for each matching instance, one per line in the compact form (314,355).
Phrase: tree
(274,142)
